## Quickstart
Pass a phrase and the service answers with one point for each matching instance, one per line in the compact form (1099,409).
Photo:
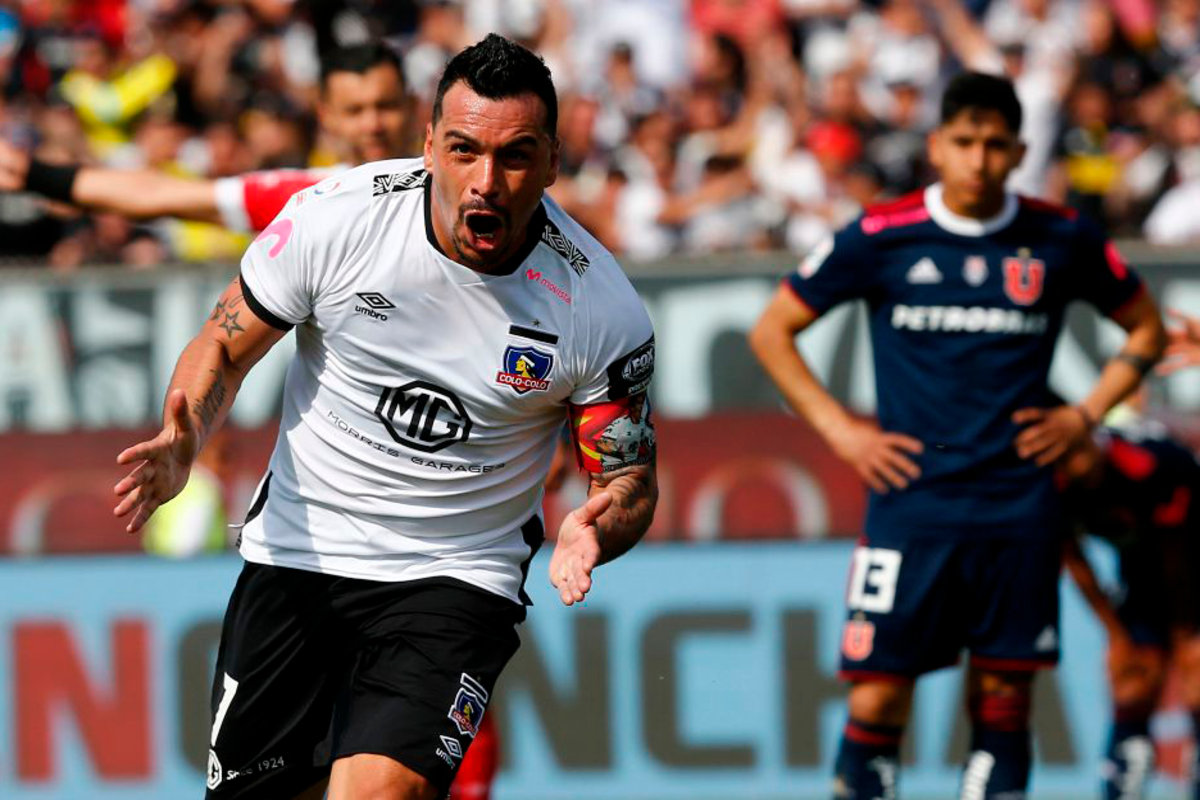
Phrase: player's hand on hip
(163,465)
(577,550)
(1183,343)
(1049,432)
(881,458)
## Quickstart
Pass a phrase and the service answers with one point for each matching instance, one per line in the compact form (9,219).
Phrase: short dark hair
(497,68)
(979,90)
(359,58)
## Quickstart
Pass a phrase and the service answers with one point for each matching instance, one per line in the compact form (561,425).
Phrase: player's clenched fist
(578,550)
(163,465)
(882,459)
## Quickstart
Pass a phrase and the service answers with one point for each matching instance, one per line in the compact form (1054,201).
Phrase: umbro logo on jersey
(386,184)
(373,304)
(924,271)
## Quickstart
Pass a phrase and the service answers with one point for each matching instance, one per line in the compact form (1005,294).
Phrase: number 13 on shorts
(873,575)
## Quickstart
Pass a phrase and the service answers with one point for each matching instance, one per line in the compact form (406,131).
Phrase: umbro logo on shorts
(373,304)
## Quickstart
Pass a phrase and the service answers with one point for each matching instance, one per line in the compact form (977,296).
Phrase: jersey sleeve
(1101,274)
(837,269)
(280,270)
(619,356)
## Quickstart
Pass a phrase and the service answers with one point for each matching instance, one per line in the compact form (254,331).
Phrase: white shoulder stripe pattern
(552,236)
(386,184)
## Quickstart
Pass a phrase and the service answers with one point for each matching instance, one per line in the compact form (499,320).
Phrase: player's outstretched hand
(578,549)
(882,459)
(1183,343)
(14,167)
(1049,432)
(163,465)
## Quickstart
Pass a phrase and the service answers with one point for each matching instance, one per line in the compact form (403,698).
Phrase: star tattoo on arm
(223,305)
(230,324)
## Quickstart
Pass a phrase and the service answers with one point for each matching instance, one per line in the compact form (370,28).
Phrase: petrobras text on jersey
(975,319)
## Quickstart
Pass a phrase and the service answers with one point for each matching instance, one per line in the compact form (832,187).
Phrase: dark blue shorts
(914,603)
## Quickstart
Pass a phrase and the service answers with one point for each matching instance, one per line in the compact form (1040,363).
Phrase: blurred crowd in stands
(687,126)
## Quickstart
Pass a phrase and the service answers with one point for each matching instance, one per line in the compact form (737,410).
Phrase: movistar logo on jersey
(976,319)
(525,369)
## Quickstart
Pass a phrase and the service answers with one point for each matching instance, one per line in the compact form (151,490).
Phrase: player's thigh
(902,617)
(422,683)
(367,776)
(1010,591)
(274,687)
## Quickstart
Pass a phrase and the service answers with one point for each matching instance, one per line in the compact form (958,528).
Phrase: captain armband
(613,435)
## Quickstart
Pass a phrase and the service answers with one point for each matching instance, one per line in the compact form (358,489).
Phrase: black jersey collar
(533,234)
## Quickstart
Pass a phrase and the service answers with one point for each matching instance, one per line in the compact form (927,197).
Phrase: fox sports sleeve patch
(613,435)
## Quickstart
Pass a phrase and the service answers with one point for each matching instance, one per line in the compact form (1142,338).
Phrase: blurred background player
(363,107)
(1136,488)
(966,286)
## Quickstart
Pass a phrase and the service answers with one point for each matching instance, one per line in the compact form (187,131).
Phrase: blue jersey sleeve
(839,268)
(1101,274)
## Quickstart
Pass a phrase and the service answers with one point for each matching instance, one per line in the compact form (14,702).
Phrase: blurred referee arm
(1051,432)
(882,459)
(132,193)
(206,380)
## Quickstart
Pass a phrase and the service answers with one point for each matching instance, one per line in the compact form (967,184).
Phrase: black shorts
(915,603)
(314,667)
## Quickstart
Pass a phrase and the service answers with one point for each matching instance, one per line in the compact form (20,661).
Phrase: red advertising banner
(727,476)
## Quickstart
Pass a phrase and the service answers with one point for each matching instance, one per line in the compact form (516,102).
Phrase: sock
(1001,755)
(1129,760)
(867,762)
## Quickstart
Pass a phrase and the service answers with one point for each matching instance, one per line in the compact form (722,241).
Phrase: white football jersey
(422,407)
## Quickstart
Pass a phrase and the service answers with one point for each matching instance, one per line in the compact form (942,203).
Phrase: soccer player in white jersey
(388,544)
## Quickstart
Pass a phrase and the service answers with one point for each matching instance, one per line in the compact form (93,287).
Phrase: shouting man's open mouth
(484,229)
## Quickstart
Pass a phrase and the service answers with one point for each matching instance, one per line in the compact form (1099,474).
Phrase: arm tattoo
(223,305)
(230,324)
(208,406)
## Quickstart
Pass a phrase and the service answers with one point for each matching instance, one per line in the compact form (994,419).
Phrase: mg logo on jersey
(1024,278)
(423,416)
(525,369)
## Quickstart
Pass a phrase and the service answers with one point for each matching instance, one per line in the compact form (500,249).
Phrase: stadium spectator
(873,66)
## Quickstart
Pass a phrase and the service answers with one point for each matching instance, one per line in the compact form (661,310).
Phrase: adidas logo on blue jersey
(924,271)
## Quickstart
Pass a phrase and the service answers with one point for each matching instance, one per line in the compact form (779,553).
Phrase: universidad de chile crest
(526,369)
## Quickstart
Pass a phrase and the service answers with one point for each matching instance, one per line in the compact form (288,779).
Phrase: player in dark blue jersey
(1140,490)
(966,287)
